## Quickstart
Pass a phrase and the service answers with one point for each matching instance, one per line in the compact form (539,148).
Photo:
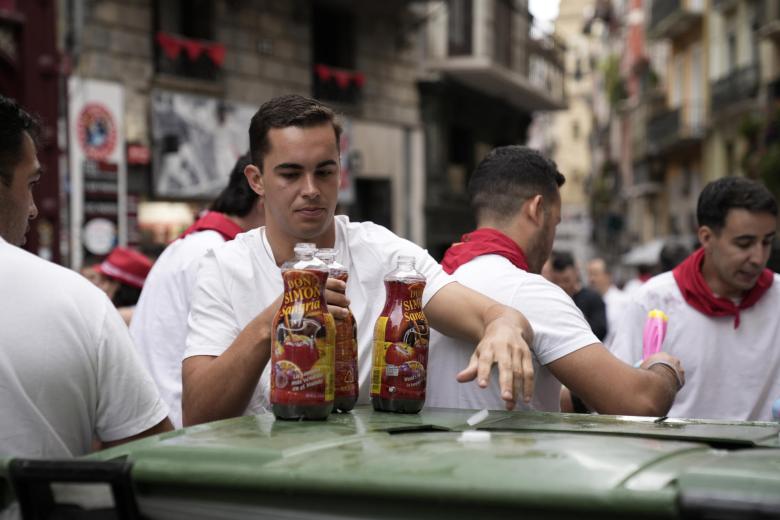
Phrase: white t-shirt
(615,301)
(559,329)
(68,370)
(240,279)
(159,325)
(730,373)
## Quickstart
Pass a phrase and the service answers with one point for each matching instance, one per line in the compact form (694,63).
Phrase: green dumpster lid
(370,464)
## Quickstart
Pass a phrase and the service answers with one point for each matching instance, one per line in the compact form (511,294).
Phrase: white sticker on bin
(477,417)
(474,436)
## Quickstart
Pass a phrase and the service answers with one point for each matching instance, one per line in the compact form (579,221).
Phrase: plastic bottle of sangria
(346,375)
(400,361)
(304,336)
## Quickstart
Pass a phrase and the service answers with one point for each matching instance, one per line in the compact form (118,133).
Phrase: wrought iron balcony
(648,177)
(770,27)
(675,128)
(724,4)
(337,85)
(672,18)
(739,85)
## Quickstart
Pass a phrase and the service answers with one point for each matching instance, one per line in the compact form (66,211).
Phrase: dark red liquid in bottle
(400,357)
(346,374)
(303,342)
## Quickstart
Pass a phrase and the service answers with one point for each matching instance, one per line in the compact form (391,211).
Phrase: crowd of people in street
(513,325)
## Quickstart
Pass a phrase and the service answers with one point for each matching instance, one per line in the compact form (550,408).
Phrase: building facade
(424,90)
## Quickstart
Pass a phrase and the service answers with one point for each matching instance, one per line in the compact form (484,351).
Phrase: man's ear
(534,209)
(255,179)
(706,235)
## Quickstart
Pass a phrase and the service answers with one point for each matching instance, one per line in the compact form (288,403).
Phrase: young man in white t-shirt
(159,326)
(67,366)
(515,196)
(295,153)
(723,306)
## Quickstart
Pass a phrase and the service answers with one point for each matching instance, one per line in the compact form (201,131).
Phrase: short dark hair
(284,111)
(237,198)
(126,295)
(14,122)
(672,254)
(722,195)
(510,175)
(561,260)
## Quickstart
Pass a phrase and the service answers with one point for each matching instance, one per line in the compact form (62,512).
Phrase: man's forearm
(221,387)
(651,393)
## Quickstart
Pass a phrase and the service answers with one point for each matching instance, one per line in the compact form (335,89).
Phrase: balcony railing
(740,85)
(675,128)
(337,85)
(770,20)
(671,18)
(180,56)
(648,177)
(723,4)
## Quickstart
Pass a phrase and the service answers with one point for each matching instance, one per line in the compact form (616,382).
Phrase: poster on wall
(98,169)
(195,143)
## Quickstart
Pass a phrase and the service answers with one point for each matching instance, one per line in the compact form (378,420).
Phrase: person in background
(600,279)
(121,276)
(159,326)
(295,167)
(722,304)
(672,254)
(643,273)
(516,200)
(564,274)
(68,369)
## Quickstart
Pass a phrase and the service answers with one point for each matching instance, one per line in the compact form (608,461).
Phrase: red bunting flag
(172,46)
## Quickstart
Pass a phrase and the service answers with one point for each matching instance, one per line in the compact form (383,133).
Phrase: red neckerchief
(484,241)
(215,221)
(699,295)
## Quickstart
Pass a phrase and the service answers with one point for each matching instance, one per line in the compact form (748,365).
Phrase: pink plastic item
(654,333)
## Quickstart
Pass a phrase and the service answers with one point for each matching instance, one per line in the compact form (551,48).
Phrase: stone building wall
(267,54)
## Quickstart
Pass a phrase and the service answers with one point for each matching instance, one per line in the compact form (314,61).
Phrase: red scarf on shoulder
(699,295)
(484,241)
(214,221)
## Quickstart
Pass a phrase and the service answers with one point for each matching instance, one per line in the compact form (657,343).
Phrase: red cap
(126,265)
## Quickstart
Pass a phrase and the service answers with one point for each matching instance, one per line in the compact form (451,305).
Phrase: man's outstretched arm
(609,386)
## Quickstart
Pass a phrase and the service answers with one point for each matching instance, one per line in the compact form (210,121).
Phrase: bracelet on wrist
(669,366)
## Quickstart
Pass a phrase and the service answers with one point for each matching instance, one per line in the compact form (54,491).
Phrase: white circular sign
(99,236)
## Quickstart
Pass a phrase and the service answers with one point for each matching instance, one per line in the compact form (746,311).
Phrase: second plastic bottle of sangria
(400,357)
(346,375)
(303,342)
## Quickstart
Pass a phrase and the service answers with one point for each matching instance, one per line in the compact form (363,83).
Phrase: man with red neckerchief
(515,196)
(722,305)
(159,325)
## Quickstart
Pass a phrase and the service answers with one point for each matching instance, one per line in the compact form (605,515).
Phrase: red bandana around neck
(484,241)
(215,221)
(699,295)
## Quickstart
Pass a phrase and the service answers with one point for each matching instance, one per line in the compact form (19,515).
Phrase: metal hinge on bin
(61,489)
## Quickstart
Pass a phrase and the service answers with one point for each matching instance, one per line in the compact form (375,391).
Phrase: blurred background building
(146,104)
(675,93)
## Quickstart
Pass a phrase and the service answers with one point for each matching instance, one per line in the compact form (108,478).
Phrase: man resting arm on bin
(295,153)
(515,195)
